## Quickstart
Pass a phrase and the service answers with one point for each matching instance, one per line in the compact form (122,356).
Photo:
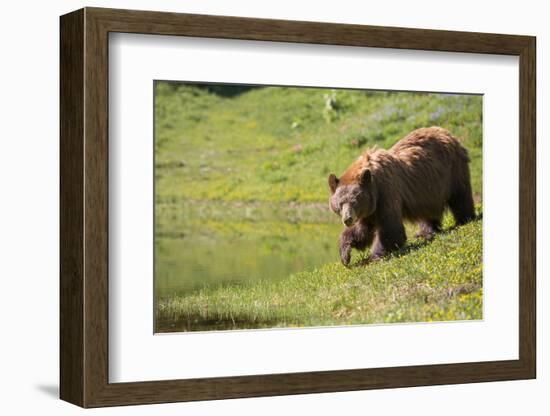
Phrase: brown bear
(415,180)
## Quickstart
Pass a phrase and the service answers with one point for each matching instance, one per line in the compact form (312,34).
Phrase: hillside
(244,238)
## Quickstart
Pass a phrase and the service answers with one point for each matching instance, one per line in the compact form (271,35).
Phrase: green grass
(435,281)
(243,178)
(280,144)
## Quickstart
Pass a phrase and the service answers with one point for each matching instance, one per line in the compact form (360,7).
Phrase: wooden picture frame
(84,207)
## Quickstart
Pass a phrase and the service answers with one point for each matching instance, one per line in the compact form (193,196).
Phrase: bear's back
(429,159)
(435,142)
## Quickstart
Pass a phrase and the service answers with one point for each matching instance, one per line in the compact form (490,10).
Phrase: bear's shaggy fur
(415,180)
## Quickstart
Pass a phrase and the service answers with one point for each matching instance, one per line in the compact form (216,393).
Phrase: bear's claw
(345,254)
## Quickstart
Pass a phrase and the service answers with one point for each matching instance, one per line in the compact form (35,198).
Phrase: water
(234,253)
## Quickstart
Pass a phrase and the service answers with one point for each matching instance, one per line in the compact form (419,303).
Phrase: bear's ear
(366,177)
(332,182)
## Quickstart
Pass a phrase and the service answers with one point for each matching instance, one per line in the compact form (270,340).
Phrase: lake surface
(196,249)
(184,264)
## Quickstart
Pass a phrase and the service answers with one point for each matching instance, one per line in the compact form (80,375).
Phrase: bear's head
(353,200)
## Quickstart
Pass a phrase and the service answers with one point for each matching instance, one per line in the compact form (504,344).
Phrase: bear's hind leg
(461,203)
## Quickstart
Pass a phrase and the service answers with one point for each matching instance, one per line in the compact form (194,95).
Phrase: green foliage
(244,238)
(279,144)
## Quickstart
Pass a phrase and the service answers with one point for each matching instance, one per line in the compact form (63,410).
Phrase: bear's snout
(348,217)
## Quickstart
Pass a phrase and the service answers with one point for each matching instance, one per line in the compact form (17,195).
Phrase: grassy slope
(279,145)
(440,280)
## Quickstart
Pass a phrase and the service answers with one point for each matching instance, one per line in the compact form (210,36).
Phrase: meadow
(243,234)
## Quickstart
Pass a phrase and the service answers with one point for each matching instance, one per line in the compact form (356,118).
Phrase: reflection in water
(220,254)
(220,244)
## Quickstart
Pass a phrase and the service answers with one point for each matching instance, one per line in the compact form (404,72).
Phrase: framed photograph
(254,207)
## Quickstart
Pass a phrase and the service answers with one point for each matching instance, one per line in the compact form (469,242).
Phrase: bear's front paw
(345,254)
(374,257)
(425,235)
(377,253)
